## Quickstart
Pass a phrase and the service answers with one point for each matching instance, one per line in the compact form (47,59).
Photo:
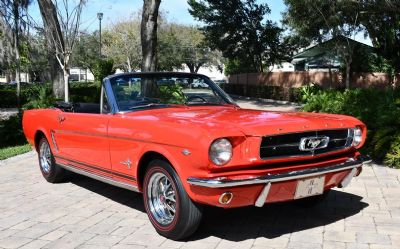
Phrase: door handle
(61,118)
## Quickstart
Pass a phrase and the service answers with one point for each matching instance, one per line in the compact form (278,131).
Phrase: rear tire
(50,171)
(173,214)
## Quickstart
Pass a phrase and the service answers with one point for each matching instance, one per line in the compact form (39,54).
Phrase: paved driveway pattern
(84,213)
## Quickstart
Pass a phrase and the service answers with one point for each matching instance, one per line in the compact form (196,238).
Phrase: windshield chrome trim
(110,95)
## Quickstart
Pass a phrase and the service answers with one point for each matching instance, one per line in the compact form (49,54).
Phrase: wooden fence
(324,79)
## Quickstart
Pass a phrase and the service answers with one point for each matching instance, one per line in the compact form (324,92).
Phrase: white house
(80,74)
(212,72)
(282,67)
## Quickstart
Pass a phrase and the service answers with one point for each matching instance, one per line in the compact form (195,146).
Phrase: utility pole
(100,17)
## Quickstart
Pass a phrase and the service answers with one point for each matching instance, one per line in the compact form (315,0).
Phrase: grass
(14,150)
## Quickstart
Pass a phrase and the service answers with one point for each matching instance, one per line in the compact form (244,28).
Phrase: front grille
(288,145)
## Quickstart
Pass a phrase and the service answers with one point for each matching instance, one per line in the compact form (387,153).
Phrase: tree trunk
(16,50)
(148,34)
(330,76)
(57,78)
(191,67)
(348,68)
(198,66)
(66,90)
(128,62)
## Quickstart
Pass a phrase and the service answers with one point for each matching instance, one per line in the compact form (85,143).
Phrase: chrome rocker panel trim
(100,178)
(219,182)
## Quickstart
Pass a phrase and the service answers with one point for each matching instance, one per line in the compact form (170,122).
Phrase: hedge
(79,92)
(378,109)
(265,92)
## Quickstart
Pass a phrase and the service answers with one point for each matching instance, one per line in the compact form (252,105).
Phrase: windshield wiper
(146,105)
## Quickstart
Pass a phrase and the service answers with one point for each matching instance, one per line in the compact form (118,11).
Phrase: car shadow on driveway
(239,224)
(277,219)
(122,196)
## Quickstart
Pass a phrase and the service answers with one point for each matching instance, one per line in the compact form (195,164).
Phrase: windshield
(157,90)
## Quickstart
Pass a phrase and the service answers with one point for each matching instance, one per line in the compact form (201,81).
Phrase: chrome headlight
(220,151)
(357,138)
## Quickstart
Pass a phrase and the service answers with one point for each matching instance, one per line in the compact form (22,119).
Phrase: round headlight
(357,139)
(220,151)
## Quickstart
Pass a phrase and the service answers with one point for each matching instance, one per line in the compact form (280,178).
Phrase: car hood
(250,122)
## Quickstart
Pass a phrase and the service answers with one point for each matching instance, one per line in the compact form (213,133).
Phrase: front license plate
(309,187)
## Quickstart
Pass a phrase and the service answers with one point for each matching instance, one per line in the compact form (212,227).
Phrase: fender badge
(186,152)
(127,163)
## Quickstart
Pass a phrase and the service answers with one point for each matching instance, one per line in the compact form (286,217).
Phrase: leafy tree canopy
(177,45)
(239,29)
(318,20)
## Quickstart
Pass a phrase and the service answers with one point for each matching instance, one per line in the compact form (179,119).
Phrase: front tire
(50,171)
(173,214)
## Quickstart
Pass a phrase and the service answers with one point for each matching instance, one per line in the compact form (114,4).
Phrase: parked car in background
(184,148)
(218,82)
(198,84)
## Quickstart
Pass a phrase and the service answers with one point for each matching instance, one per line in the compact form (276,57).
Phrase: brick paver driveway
(84,213)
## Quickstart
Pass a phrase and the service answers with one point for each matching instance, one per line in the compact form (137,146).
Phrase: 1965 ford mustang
(184,147)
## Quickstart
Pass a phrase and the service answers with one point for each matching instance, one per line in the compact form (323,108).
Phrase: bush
(8,98)
(101,68)
(11,132)
(40,100)
(307,91)
(256,91)
(85,92)
(392,157)
(378,109)
(8,94)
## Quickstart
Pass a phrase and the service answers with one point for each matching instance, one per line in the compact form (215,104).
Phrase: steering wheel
(191,98)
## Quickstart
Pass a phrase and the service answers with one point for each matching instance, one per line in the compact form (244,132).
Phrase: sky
(176,10)
(114,10)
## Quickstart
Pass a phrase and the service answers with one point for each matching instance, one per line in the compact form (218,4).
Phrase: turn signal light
(226,198)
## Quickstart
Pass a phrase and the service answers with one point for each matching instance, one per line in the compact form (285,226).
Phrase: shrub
(306,92)
(40,100)
(392,158)
(8,94)
(85,92)
(378,109)
(101,68)
(266,92)
(11,132)
(8,98)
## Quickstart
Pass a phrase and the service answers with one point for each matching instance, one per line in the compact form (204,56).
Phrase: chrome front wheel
(170,210)
(161,198)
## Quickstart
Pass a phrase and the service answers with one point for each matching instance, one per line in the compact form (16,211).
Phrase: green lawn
(14,150)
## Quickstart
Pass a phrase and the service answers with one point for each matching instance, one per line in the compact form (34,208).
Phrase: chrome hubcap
(45,157)
(161,198)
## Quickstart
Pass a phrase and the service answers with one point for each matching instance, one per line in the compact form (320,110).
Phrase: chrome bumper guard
(222,182)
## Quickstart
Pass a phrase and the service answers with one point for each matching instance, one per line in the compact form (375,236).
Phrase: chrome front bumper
(222,182)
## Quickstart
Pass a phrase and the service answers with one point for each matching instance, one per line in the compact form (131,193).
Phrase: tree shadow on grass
(239,224)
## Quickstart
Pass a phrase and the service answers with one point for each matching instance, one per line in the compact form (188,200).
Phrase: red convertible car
(185,147)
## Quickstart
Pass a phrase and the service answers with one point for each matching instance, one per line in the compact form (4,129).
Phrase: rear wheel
(50,171)
(170,210)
